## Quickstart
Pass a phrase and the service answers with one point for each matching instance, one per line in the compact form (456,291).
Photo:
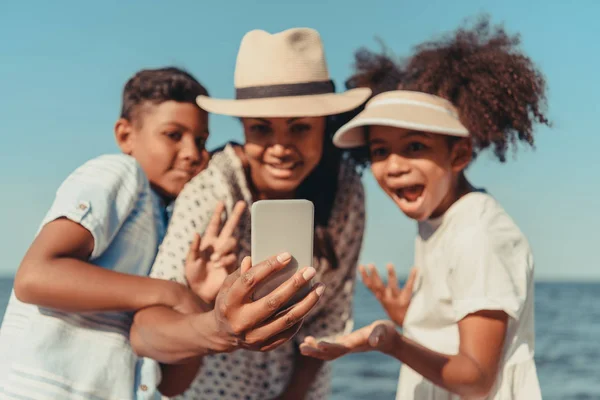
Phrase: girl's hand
(238,322)
(395,300)
(380,335)
(212,257)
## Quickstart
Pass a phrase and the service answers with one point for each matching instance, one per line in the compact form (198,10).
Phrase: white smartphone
(278,226)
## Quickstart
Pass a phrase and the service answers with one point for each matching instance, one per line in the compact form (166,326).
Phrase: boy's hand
(395,300)
(213,257)
(380,335)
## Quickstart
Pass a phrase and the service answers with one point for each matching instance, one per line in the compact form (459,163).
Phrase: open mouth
(410,193)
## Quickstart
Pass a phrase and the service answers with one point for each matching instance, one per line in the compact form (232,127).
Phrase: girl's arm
(55,274)
(470,372)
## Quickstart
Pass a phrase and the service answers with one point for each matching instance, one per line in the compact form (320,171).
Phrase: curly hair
(157,86)
(498,91)
(380,72)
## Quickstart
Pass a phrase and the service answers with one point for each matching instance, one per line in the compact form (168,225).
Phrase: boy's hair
(498,91)
(157,86)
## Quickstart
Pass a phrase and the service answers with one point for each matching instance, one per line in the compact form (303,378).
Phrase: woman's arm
(235,322)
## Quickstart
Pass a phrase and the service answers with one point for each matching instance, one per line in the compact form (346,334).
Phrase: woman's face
(282,152)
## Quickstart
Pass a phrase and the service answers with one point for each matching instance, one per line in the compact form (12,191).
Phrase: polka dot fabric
(254,375)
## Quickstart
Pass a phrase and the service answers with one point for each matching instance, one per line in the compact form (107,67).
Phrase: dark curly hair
(380,72)
(156,86)
(499,92)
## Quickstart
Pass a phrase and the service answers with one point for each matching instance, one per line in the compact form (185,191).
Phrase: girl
(287,106)
(469,328)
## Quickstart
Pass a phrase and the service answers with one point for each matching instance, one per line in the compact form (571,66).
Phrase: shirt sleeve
(491,271)
(191,213)
(335,317)
(100,195)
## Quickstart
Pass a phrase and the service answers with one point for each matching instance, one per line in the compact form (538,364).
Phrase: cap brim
(406,116)
(292,106)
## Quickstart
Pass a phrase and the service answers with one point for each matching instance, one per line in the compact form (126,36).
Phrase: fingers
(229,263)
(212,229)
(243,286)
(194,250)
(193,263)
(356,339)
(268,305)
(287,318)
(364,276)
(372,280)
(324,351)
(273,302)
(381,335)
(376,280)
(410,281)
(392,279)
(246,265)
(234,276)
(223,246)
(281,338)
(233,220)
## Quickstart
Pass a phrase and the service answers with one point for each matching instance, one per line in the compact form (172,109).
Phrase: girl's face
(418,170)
(282,152)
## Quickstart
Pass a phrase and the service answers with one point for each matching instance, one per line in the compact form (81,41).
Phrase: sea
(567,345)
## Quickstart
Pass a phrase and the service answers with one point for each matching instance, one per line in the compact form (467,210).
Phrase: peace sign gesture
(212,257)
(395,300)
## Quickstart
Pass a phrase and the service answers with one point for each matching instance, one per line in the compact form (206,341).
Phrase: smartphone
(278,226)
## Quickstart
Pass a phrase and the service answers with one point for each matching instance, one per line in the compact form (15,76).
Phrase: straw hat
(283,75)
(402,109)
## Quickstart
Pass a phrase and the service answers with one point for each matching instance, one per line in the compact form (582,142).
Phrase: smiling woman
(289,111)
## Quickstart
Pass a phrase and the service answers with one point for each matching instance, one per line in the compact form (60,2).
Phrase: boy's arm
(88,212)
(55,274)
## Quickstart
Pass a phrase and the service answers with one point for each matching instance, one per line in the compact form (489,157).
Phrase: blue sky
(63,65)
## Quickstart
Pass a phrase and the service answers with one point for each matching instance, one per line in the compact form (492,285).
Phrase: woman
(289,111)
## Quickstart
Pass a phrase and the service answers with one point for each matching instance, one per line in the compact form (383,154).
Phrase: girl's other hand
(395,300)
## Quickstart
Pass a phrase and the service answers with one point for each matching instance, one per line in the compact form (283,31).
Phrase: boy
(66,329)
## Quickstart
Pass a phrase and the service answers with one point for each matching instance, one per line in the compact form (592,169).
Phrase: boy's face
(417,170)
(168,140)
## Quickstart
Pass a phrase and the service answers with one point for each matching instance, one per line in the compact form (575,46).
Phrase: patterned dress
(245,374)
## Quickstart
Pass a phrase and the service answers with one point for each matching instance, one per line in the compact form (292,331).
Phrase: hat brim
(291,106)
(406,116)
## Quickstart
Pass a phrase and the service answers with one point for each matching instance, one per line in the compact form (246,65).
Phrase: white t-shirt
(473,258)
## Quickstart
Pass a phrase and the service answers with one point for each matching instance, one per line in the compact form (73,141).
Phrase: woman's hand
(380,335)
(238,322)
(212,257)
(395,300)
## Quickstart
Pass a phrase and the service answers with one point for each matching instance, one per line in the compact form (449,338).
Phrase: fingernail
(309,273)
(283,257)
(215,257)
(320,290)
